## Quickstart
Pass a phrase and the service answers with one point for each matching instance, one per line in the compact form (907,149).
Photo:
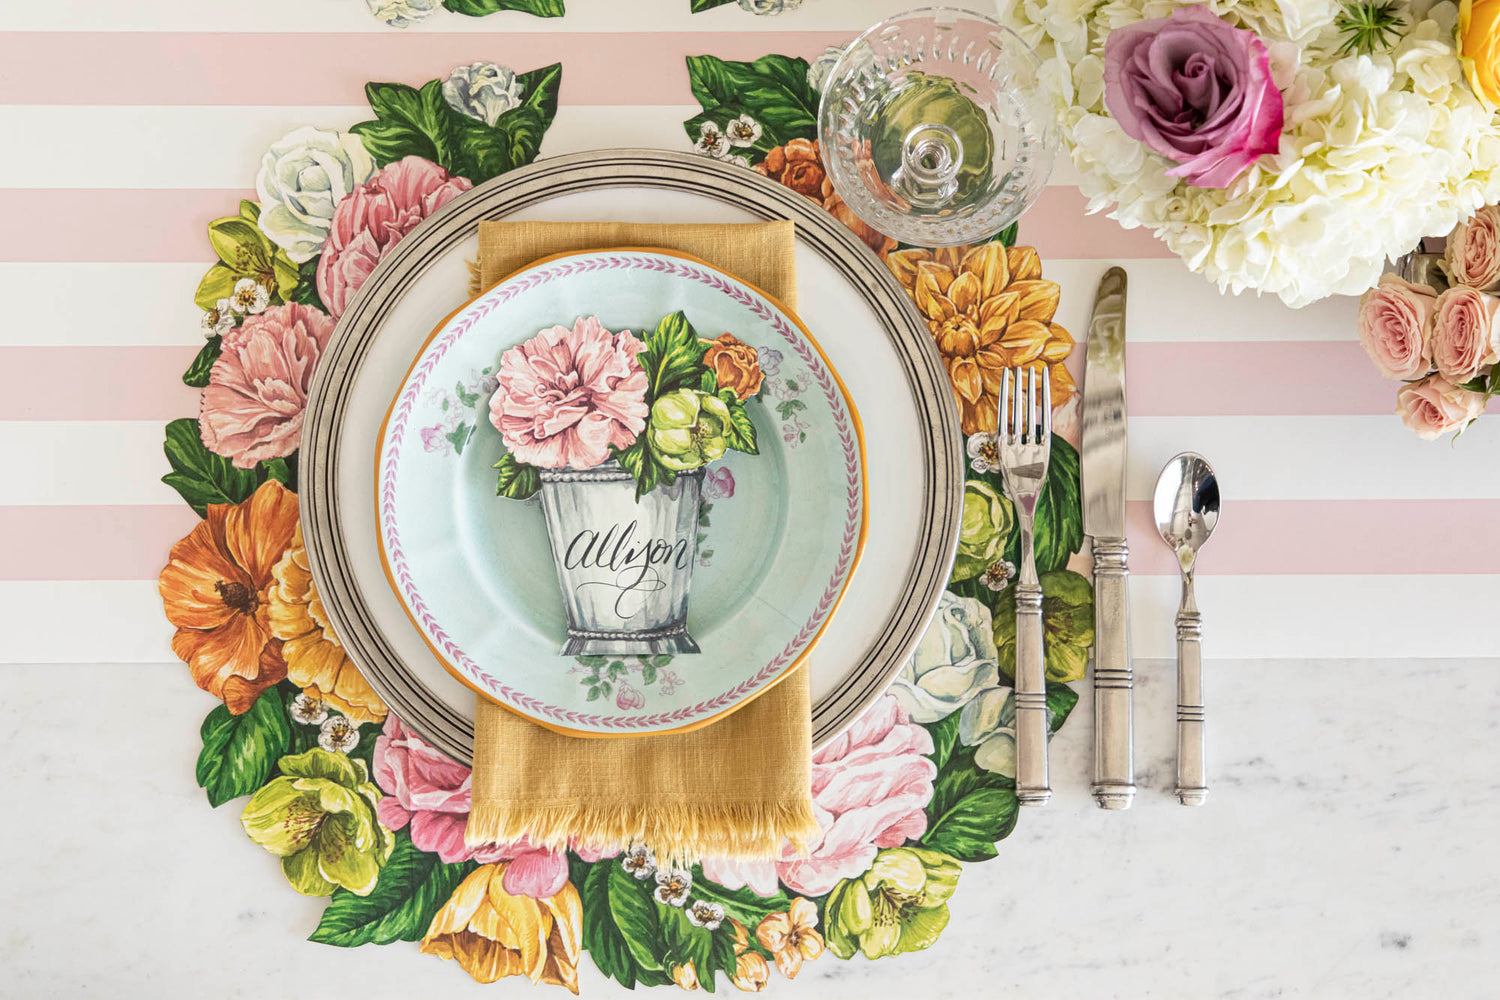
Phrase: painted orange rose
(215,591)
(988,308)
(735,364)
(315,660)
(799,166)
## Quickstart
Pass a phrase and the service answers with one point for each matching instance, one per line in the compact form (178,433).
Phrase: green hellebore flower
(986,526)
(688,429)
(900,904)
(1067,627)
(319,818)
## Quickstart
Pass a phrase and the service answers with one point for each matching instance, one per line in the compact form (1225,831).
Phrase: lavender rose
(1465,333)
(1196,90)
(1473,251)
(1393,326)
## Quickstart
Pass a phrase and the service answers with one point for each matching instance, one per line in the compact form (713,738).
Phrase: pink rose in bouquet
(1394,317)
(257,389)
(1434,407)
(1465,334)
(374,218)
(1473,251)
(429,791)
(870,789)
(1195,89)
(565,397)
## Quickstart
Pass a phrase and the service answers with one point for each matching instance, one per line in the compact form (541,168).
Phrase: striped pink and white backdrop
(129,126)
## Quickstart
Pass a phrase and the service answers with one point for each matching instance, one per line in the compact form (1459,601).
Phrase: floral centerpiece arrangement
(1291,147)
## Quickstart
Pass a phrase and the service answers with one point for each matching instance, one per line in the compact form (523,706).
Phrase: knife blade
(1102,464)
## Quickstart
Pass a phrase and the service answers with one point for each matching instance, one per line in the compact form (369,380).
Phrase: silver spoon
(1187,509)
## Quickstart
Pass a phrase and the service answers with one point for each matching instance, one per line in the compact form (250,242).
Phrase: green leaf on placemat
(944,733)
(773,90)
(283,470)
(1059,513)
(621,932)
(517,481)
(699,6)
(200,476)
(306,292)
(197,373)
(1067,626)
(743,904)
(412,887)
(1008,235)
(480,8)
(971,808)
(687,943)
(409,123)
(1060,702)
(240,751)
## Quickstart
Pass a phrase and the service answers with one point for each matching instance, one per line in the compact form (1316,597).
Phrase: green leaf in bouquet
(408,122)
(673,358)
(517,480)
(1059,513)
(240,751)
(197,372)
(413,886)
(640,462)
(481,8)
(200,476)
(971,808)
(741,427)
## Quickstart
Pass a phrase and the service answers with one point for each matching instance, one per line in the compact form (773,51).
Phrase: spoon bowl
(1186,503)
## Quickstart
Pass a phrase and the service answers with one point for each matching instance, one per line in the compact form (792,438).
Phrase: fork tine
(1031,407)
(1002,428)
(1046,406)
(1017,417)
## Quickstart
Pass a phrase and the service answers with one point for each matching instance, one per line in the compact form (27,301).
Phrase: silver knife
(1103,474)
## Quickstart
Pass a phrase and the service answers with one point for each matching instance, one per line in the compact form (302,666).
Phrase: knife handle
(1114,679)
(1032,785)
(1192,772)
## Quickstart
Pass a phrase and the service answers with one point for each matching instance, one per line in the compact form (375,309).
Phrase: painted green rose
(900,904)
(689,429)
(319,818)
(1067,626)
(987,522)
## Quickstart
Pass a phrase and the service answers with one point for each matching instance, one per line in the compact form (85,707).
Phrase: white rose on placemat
(1473,252)
(303,177)
(1434,407)
(1393,326)
(482,90)
(770,6)
(988,723)
(402,13)
(955,659)
(1465,337)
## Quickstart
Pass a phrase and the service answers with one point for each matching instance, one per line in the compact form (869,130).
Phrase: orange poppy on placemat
(214,589)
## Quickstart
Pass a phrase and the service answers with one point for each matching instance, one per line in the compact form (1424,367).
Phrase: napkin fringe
(476,279)
(678,833)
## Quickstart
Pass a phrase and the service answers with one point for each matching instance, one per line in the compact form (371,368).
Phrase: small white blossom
(640,862)
(249,297)
(705,914)
(712,141)
(308,710)
(672,886)
(338,734)
(402,13)
(998,576)
(743,131)
(219,320)
(984,453)
(483,91)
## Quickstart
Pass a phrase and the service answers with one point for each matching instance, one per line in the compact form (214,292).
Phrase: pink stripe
(95,383)
(89,543)
(1293,378)
(170,225)
(321,69)
(1364,537)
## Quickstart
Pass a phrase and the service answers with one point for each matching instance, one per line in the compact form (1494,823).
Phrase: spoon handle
(1192,774)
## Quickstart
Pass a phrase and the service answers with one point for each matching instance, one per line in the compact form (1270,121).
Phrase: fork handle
(1192,772)
(1032,786)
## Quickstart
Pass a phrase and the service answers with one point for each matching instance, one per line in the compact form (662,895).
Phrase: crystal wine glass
(935,128)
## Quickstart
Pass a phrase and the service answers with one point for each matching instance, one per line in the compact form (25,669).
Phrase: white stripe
(1168,303)
(353,16)
(84,462)
(171,147)
(1244,616)
(113,305)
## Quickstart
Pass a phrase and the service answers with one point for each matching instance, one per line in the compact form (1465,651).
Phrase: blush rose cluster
(1443,343)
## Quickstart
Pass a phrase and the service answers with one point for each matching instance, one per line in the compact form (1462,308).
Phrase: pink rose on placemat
(252,406)
(1473,251)
(565,397)
(430,791)
(870,787)
(1465,334)
(1393,326)
(1195,89)
(374,218)
(1434,406)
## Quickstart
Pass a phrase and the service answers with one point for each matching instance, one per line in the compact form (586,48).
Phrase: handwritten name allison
(633,561)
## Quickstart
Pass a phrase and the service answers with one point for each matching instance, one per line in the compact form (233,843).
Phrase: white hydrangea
(1376,151)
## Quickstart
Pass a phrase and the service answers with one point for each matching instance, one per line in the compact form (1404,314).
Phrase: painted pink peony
(1393,326)
(870,789)
(1465,333)
(1434,407)
(373,218)
(1195,89)
(430,791)
(252,406)
(1473,250)
(566,396)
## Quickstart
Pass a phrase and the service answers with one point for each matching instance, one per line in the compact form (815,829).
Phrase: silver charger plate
(848,298)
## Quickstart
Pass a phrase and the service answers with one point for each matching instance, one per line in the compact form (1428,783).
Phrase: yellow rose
(1479,45)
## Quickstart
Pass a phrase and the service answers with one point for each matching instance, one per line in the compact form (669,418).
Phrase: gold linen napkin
(735,788)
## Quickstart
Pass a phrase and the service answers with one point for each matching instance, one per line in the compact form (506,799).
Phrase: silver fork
(1025,443)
